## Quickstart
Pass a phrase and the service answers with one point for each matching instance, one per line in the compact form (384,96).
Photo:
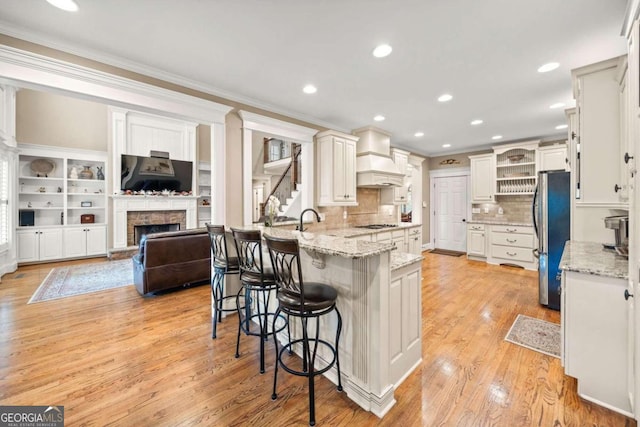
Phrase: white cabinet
(399,239)
(336,169)
(405,321)
(476,241)
(400,194)
(553,157)
(594,330)
(85,241)
(622,187)
(39,244)
(512,245)
(204,193)
(482,178)
(414,240)
(516,168)
(597,93)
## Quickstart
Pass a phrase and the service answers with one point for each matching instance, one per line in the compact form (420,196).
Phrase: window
(5,217)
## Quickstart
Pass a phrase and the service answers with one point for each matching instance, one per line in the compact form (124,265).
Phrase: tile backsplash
(514,208)
(368,211)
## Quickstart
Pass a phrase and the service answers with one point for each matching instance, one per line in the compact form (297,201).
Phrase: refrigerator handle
(533,210)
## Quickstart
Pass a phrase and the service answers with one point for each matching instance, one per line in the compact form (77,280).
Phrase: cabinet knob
(616,188)
(627,295)
(627,157)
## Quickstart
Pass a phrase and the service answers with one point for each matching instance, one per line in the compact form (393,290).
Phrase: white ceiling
(262,52)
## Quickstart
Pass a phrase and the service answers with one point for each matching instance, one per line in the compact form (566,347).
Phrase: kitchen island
(379,297)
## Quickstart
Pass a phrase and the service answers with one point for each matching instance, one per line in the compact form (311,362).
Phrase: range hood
(374,165)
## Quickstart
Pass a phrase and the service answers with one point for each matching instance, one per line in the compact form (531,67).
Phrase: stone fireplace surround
(129,211)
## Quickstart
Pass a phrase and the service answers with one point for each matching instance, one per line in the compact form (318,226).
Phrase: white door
(450,212)
(258,197)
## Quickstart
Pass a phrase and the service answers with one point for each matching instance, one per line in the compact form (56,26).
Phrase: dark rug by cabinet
(81,279)
(535,334)
(446,252)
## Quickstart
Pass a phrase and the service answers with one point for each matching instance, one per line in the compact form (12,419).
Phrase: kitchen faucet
(300,227)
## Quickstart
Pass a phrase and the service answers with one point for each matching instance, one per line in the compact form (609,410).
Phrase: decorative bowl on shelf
(514,158)
(42,167)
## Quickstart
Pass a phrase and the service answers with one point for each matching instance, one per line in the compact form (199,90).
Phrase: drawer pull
(512,230)
(512,253)
(512,241)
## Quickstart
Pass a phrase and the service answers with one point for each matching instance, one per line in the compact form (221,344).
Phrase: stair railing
(283,187)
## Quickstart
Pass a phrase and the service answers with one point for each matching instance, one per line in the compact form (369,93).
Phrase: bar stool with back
(258,284)
(306,301)
(223,265)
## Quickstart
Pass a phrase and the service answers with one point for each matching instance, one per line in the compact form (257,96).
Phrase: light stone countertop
(593,258)
(402,259)
(501,222)
(330,245)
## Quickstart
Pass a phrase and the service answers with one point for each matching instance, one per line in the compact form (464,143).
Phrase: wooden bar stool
(223,265)
(305,301)
(258,284)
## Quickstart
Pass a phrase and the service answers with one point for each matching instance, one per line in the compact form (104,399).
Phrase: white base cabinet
(39,244)
(594,330)
(85,241)
(476,241)
(405,321)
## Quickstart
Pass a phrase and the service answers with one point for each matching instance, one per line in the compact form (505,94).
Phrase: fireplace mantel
(124,203)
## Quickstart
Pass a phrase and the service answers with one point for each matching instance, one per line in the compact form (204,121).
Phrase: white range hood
(374,166)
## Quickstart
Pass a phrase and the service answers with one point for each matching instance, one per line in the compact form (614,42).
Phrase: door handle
(617,188)
(627,295)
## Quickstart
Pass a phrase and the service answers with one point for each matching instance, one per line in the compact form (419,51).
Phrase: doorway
(450,212)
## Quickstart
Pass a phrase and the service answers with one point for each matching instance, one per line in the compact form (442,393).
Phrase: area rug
(82,279)
(446,252)
(535,334)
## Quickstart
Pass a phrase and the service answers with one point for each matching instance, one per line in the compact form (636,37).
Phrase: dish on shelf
(42,167)
(516,174)
(515,158)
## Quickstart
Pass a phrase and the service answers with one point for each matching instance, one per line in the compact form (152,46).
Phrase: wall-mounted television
(139,173)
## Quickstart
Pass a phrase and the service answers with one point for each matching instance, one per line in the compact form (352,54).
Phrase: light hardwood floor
(114,358)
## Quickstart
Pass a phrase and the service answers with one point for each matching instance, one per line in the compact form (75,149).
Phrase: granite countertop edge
(500,222)
(593,258)
(402,259)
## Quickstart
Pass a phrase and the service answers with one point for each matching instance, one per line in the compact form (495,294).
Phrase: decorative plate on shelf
(515,174)
(42,167)
(516,158)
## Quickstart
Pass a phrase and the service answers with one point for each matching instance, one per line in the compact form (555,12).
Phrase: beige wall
(452,161)
(203,136)
(50,119)
(426,194)
(233,202)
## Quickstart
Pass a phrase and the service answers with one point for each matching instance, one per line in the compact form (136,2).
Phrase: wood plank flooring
(115,358)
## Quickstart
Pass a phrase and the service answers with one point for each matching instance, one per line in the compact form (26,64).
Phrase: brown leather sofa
(172,259)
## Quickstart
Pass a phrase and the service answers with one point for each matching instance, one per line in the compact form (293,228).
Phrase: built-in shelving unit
(62,192)
(516,170)
(204,193)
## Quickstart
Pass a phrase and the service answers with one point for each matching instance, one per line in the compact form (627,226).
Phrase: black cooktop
(377,226)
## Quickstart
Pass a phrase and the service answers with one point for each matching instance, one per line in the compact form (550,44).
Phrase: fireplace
(129,211)
(141,230)
(138,221)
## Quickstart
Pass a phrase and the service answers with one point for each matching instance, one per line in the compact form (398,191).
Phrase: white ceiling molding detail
(26,69)
(277,127)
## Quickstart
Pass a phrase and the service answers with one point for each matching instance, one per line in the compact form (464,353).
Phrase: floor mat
(446,252)
(535,334)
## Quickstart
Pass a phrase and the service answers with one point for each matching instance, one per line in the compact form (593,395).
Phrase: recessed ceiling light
(476,122)
(418,134)
(382,50)
(557,105)
(379,118)
(550,66)
(309,89)
(562,126)
(496,137)
(446,145)
(68,5)
(445,97)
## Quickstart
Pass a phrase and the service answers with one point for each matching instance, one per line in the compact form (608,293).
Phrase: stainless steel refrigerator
(552,223)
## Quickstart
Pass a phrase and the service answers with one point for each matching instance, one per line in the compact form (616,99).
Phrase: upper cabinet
(482,178)
(336,169)
(398,195)
(516,168)
(598,161)
(553,157)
